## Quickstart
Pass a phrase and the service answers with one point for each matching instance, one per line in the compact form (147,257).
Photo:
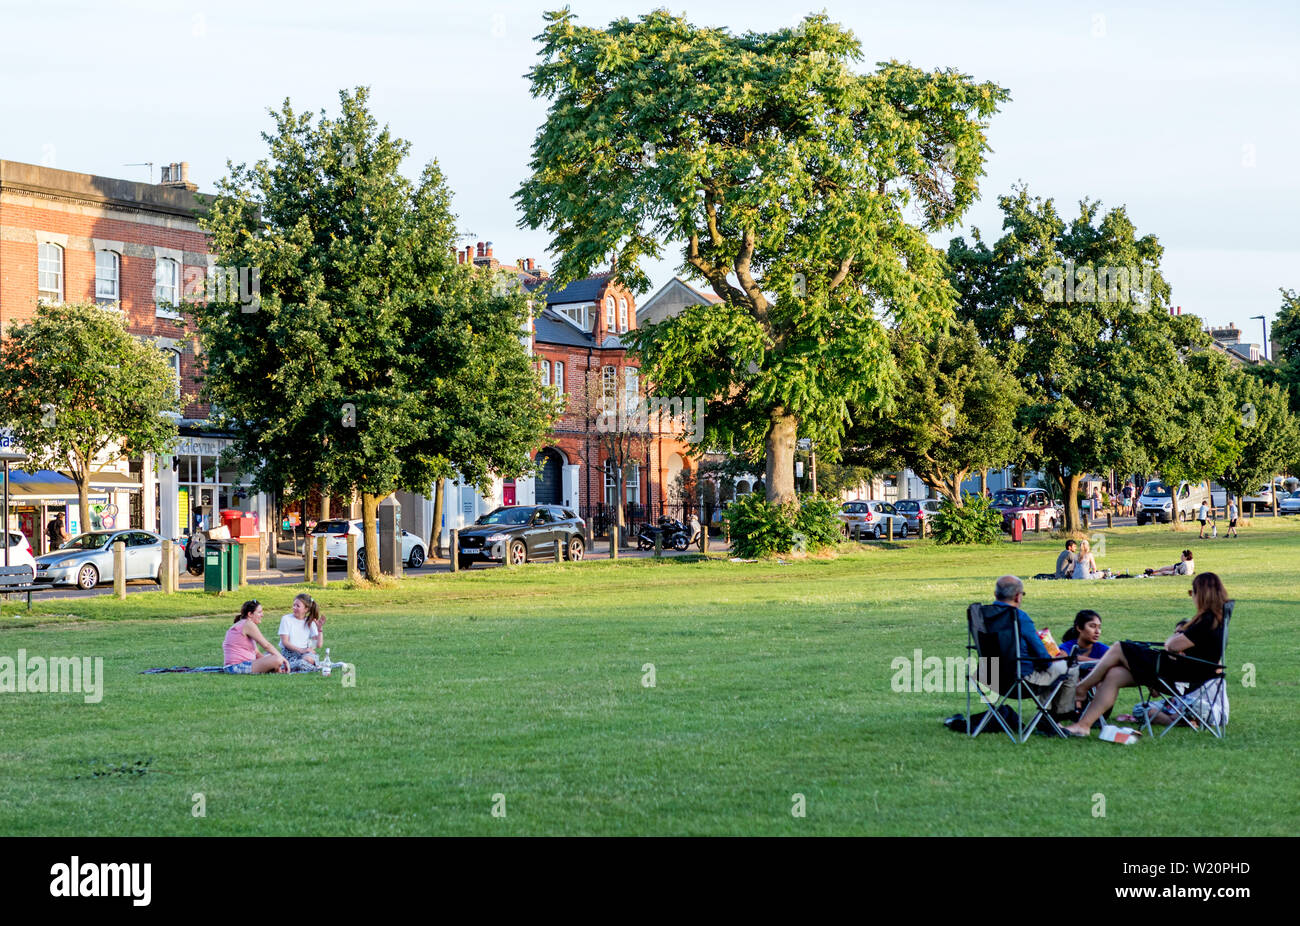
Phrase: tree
(786,179)
(1285,335)
(75,385)
(616,410)
(1265,432)
(374,362)
(955,413)
(1078,312)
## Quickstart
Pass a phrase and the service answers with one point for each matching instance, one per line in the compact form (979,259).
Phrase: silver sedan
(87,559)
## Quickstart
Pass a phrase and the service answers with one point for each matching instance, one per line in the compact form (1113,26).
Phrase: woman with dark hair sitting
(240,647)
(1085,638)
(1132,663)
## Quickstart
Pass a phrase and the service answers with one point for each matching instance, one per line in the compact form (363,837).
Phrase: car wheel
(518,553)
(880,532)
(159,577)
(903,532)
(417,557)
(87,577)
(361,560)
(576,549)
(463,563)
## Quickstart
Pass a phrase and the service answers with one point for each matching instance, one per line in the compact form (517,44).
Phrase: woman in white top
(301,633)
(1086,567)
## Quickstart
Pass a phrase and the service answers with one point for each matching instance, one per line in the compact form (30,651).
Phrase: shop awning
(47,484)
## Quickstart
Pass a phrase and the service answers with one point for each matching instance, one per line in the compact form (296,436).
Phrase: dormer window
(609,313)
(546,372)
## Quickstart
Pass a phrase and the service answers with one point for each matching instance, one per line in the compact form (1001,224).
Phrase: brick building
(134,248)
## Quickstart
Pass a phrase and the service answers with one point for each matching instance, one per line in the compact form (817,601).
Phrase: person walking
(1203,515)
(1232,518)
(56,532)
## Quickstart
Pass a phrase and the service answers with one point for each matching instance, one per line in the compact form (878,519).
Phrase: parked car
(911,509)
(1030,506)
(1264,497)
(1290,504)
(522,532)
(336,543)
(87,559)
(20,553)
(874,517)
(1158,502)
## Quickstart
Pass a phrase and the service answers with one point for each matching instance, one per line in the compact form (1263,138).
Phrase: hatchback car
(1290,504)
(87,559)
(522,532)
(873,517)
(336,543)
(20,553)
(1030,506)
(914,509)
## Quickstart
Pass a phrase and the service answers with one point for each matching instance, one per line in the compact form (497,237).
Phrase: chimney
(530,264)
(176,175)
(480,249)
(489,249)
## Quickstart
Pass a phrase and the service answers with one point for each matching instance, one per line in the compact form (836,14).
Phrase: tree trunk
(370,532)
(1070,491)
(984,481)
(435,536)
(82,479)
(324,504)
(780,457)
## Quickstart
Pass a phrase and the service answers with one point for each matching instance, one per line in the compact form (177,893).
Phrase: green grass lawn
(771,680)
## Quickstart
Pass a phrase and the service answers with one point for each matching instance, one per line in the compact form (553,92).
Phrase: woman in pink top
(240,646)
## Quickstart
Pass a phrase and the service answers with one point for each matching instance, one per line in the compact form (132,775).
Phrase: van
(1160,503)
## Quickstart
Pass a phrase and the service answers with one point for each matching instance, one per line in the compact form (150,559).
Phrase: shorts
(298,661)
(1232,523)
(239,668)
(1202,520)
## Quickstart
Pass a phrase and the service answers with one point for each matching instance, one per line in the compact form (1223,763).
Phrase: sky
(1186,113)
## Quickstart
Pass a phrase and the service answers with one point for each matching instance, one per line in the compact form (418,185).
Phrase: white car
(1263,498)
(20,553)
(336,543)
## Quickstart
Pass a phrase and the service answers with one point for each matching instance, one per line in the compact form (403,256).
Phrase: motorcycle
(675,535)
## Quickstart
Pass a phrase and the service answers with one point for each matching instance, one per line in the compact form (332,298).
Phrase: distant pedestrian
(1232,518)
(1203,515)
(56,532)
(1094,510)
(1128,498)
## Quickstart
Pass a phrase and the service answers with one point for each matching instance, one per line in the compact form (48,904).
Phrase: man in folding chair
(1002,633)
(1192,657)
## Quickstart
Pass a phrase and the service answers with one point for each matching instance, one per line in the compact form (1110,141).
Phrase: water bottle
(1214,530)
(325,666)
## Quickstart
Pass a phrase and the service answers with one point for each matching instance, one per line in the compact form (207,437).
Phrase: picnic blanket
(221,669)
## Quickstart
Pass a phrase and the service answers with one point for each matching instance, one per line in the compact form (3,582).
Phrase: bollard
(505,553)
(659,544)
(890,530)
(455,549)
(306,561)
(1108,519)
(168,567)
(704,538)
(354,574)
(559,550)
(922,524)
(322,563)
(119,569)
(613,541)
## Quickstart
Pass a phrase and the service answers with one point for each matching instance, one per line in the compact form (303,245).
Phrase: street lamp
(8,455)
(1263,326)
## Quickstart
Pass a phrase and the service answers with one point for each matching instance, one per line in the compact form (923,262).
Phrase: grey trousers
(1064,700)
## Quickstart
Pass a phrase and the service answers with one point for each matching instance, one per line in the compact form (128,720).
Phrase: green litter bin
(234,565)
(216,566)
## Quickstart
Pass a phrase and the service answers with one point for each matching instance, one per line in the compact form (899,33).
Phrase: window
(609,312)
(166,285)
(546,372)
(622,315)
(174,361)
(608,389)
(631,400)
(631,483)
(49,272)
(576,315)
(108,274)
(559,377)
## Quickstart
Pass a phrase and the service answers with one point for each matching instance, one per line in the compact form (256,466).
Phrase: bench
(18,579)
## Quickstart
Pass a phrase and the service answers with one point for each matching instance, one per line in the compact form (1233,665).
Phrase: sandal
(1126,718)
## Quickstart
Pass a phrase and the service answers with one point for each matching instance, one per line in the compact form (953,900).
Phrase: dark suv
(522,532)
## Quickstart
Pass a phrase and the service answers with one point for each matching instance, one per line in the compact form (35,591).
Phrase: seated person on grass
(301,633)
(1131,663)
(1085,638)
(1065,562)
(1184,567)
(1009,592)
(242,642)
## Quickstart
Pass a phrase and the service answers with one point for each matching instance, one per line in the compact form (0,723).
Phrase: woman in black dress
(1132,663)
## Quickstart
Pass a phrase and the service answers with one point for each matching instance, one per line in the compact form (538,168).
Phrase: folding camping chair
(1201,708)
(995,643)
